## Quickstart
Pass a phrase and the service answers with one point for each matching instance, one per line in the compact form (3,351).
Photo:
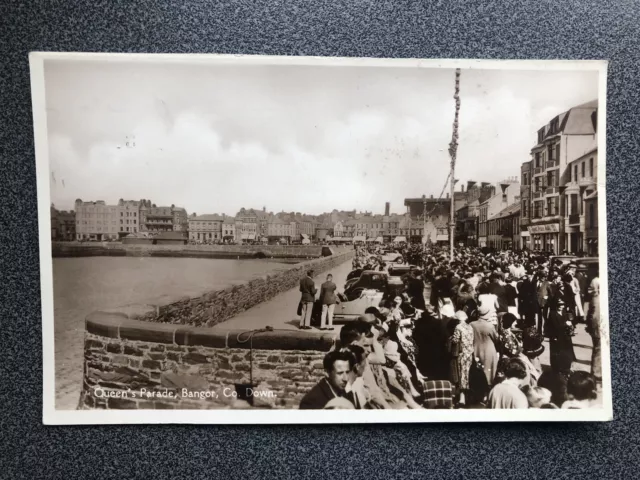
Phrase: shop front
(546,238)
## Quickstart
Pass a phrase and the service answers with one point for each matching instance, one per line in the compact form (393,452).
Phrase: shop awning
(399,239)
(371,239)
(442,238)
(304,236)
(359,239)
(525,234)
(248,236)
(379,240)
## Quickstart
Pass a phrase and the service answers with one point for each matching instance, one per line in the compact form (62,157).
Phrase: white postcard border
(52,416)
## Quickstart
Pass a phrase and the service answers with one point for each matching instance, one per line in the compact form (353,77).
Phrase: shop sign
(548,228)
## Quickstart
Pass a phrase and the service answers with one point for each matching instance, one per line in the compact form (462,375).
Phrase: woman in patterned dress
(462,348)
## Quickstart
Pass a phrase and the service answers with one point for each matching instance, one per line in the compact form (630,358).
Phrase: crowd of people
(473,341)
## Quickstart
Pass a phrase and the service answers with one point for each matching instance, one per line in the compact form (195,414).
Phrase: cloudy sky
(215,138)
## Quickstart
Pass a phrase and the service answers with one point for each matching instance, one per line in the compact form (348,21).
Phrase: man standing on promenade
(328,299)
(308,289)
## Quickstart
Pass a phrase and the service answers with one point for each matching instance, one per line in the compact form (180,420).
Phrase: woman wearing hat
(462,353)
(485,342)
(560,327)
(532,348)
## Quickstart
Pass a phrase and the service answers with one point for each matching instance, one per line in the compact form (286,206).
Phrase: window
(135,214)
(591,167)
(134,222)
(575,173)
(582,169)
(121,222)
(592,215)
(558,151)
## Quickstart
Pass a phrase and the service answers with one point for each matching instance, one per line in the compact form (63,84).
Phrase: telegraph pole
(453,150)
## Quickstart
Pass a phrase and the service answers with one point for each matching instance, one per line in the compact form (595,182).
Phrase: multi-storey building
(95,220)
(507,195)
(280,230)
(503,229)
(526,173)
(162,219)
(205,228)
(468,211)
(566,138)
(580,179)
(229,229)
(128,217)
(591,223)
(63,225)
(253,224)
(180,219)
(437,212)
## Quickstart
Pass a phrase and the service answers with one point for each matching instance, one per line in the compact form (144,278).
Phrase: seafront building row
(553,208)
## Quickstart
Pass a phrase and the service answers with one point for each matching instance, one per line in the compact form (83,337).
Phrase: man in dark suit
(308,289)
(542,295)
(338,365)
(528,299)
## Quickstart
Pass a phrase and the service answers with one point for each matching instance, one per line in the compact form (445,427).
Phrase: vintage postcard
(252,239)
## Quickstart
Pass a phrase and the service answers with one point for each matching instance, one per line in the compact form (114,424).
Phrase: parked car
(369,279)
(354,305)
(565,259)
(393,257)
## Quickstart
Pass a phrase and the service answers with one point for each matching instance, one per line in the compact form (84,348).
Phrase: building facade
(580,179)
(63,225)
(591,224)
(568,137)
(229,230)
(95,220)
(526,173)
(280,230)
(205,228)
(503,229)
(508,192)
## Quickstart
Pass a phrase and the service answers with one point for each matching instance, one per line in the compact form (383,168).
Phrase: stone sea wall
(216,306)
(75,249)
(132,364)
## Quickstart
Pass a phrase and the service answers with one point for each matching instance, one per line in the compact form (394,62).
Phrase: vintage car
(354,305)
(392,257)
(565,259)
(369,279)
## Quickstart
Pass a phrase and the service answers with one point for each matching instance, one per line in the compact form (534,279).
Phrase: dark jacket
(308,289)
(318,396)
(542,290)
(328,293)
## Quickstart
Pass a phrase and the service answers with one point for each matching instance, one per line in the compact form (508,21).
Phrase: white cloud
(217,141)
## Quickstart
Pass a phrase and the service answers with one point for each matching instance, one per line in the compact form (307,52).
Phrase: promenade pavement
(280,311)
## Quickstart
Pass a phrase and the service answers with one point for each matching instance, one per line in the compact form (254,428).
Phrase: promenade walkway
(280,311)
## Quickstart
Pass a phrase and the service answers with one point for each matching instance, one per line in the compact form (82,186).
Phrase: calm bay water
(82,285)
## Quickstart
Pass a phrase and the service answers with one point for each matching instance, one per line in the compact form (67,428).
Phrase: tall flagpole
(453,150)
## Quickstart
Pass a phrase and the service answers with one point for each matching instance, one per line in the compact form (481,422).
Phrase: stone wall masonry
(74,249)
(216,306)
(130,364)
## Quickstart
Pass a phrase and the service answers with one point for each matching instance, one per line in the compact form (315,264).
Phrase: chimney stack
(462,188)
(431,196)
(470,185)
(387,206)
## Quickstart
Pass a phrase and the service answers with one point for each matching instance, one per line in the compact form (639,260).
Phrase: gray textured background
(585,29)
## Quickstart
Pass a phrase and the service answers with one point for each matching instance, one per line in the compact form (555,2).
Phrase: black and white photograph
(255,239)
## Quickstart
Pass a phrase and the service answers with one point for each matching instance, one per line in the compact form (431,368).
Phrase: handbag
(299,312)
